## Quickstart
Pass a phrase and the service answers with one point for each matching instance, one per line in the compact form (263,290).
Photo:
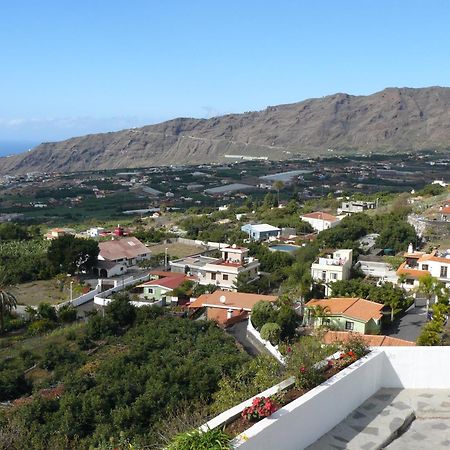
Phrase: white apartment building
(320,220)
(332,267)
(222,272)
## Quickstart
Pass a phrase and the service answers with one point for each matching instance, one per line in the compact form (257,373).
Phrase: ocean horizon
(14,147)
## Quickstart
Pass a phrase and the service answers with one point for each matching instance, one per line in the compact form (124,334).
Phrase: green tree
(262,312)
(278,185)
(72,255)
(430,287)
(271,332)
(8,301)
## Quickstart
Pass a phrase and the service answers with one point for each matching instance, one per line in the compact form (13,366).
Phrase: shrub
(262,312)
(41,326)
(67,314)
(271,332)
(288,321)
(215,439)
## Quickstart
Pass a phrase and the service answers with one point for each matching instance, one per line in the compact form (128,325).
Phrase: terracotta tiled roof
(371,340)
(233,300)
(441,259)
(414,273)
(356,308)
(320,215)
(128,247)
(446,210)
(168,282)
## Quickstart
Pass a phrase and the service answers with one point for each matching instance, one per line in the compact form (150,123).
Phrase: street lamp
(71,291)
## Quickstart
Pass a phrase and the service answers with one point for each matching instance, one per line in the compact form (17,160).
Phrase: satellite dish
(222,299)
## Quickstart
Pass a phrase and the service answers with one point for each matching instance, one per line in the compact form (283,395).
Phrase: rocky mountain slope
(395,119)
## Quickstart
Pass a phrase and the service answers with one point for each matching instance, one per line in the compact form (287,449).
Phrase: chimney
(410,248)
(229,313)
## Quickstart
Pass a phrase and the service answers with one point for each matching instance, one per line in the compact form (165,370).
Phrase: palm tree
(402,279)
(8,302)
(278,185)
(317,312)
(430,287)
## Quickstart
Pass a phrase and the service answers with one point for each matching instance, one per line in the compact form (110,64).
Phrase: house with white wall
(332,267)
(418,264)
(222,272)
(320,220)
(261,231)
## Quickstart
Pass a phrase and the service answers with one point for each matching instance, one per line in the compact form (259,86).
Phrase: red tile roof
(356,308)
(168,282)
(233,300)
(371,340)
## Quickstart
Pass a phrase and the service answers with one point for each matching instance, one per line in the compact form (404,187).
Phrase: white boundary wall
(269,347)
(306,419)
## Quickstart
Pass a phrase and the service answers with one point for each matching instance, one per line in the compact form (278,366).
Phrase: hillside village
(269,275)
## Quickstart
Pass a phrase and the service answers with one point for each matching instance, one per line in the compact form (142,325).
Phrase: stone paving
(396,419)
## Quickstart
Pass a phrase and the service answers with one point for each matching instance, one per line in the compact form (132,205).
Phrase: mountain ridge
(394,119)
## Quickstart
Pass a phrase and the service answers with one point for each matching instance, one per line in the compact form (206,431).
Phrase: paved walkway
(396,419)
(409,326)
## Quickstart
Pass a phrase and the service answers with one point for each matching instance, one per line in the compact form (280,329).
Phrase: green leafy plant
(271,332)
(215,439)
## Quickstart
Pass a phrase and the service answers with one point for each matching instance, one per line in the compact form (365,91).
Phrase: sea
(14,147)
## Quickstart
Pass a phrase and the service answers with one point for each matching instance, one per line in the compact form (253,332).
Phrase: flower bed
(307,378)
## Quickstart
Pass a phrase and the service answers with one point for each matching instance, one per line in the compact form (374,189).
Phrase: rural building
(222,272)
(227,308)
(351,314)
(352,207)
(332,267)
(108,269)
(127,250)
(320,220)
(261,231)
(445,213)
(158,289)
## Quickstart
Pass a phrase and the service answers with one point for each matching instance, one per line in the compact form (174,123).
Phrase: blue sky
(74,67)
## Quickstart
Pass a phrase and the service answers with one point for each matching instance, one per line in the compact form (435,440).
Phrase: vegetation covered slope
(391,120)
(123,375)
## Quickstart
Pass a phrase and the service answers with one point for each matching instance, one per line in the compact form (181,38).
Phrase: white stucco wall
(303,421)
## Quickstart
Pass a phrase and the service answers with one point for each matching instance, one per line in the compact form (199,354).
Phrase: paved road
(239,332)
(409,326)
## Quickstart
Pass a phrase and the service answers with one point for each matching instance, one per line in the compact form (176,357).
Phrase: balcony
(393,385)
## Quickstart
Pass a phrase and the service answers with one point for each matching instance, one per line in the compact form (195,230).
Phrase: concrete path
(384,421)
(410,325)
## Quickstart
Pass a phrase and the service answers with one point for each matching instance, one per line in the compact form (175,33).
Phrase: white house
(261,231)
(377,268)
(127,251)
(222,272)
(418,264)
(332,267)
(321,220)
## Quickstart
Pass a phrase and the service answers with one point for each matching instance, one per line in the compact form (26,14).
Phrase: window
(443,271)
(324,275)
(326,322)
(225,277)
(424,266)
(334,276)
(349,325)
(409,281)
(213,276)
(150,291)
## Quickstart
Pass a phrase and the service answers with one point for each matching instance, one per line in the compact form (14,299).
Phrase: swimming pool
(284,248)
